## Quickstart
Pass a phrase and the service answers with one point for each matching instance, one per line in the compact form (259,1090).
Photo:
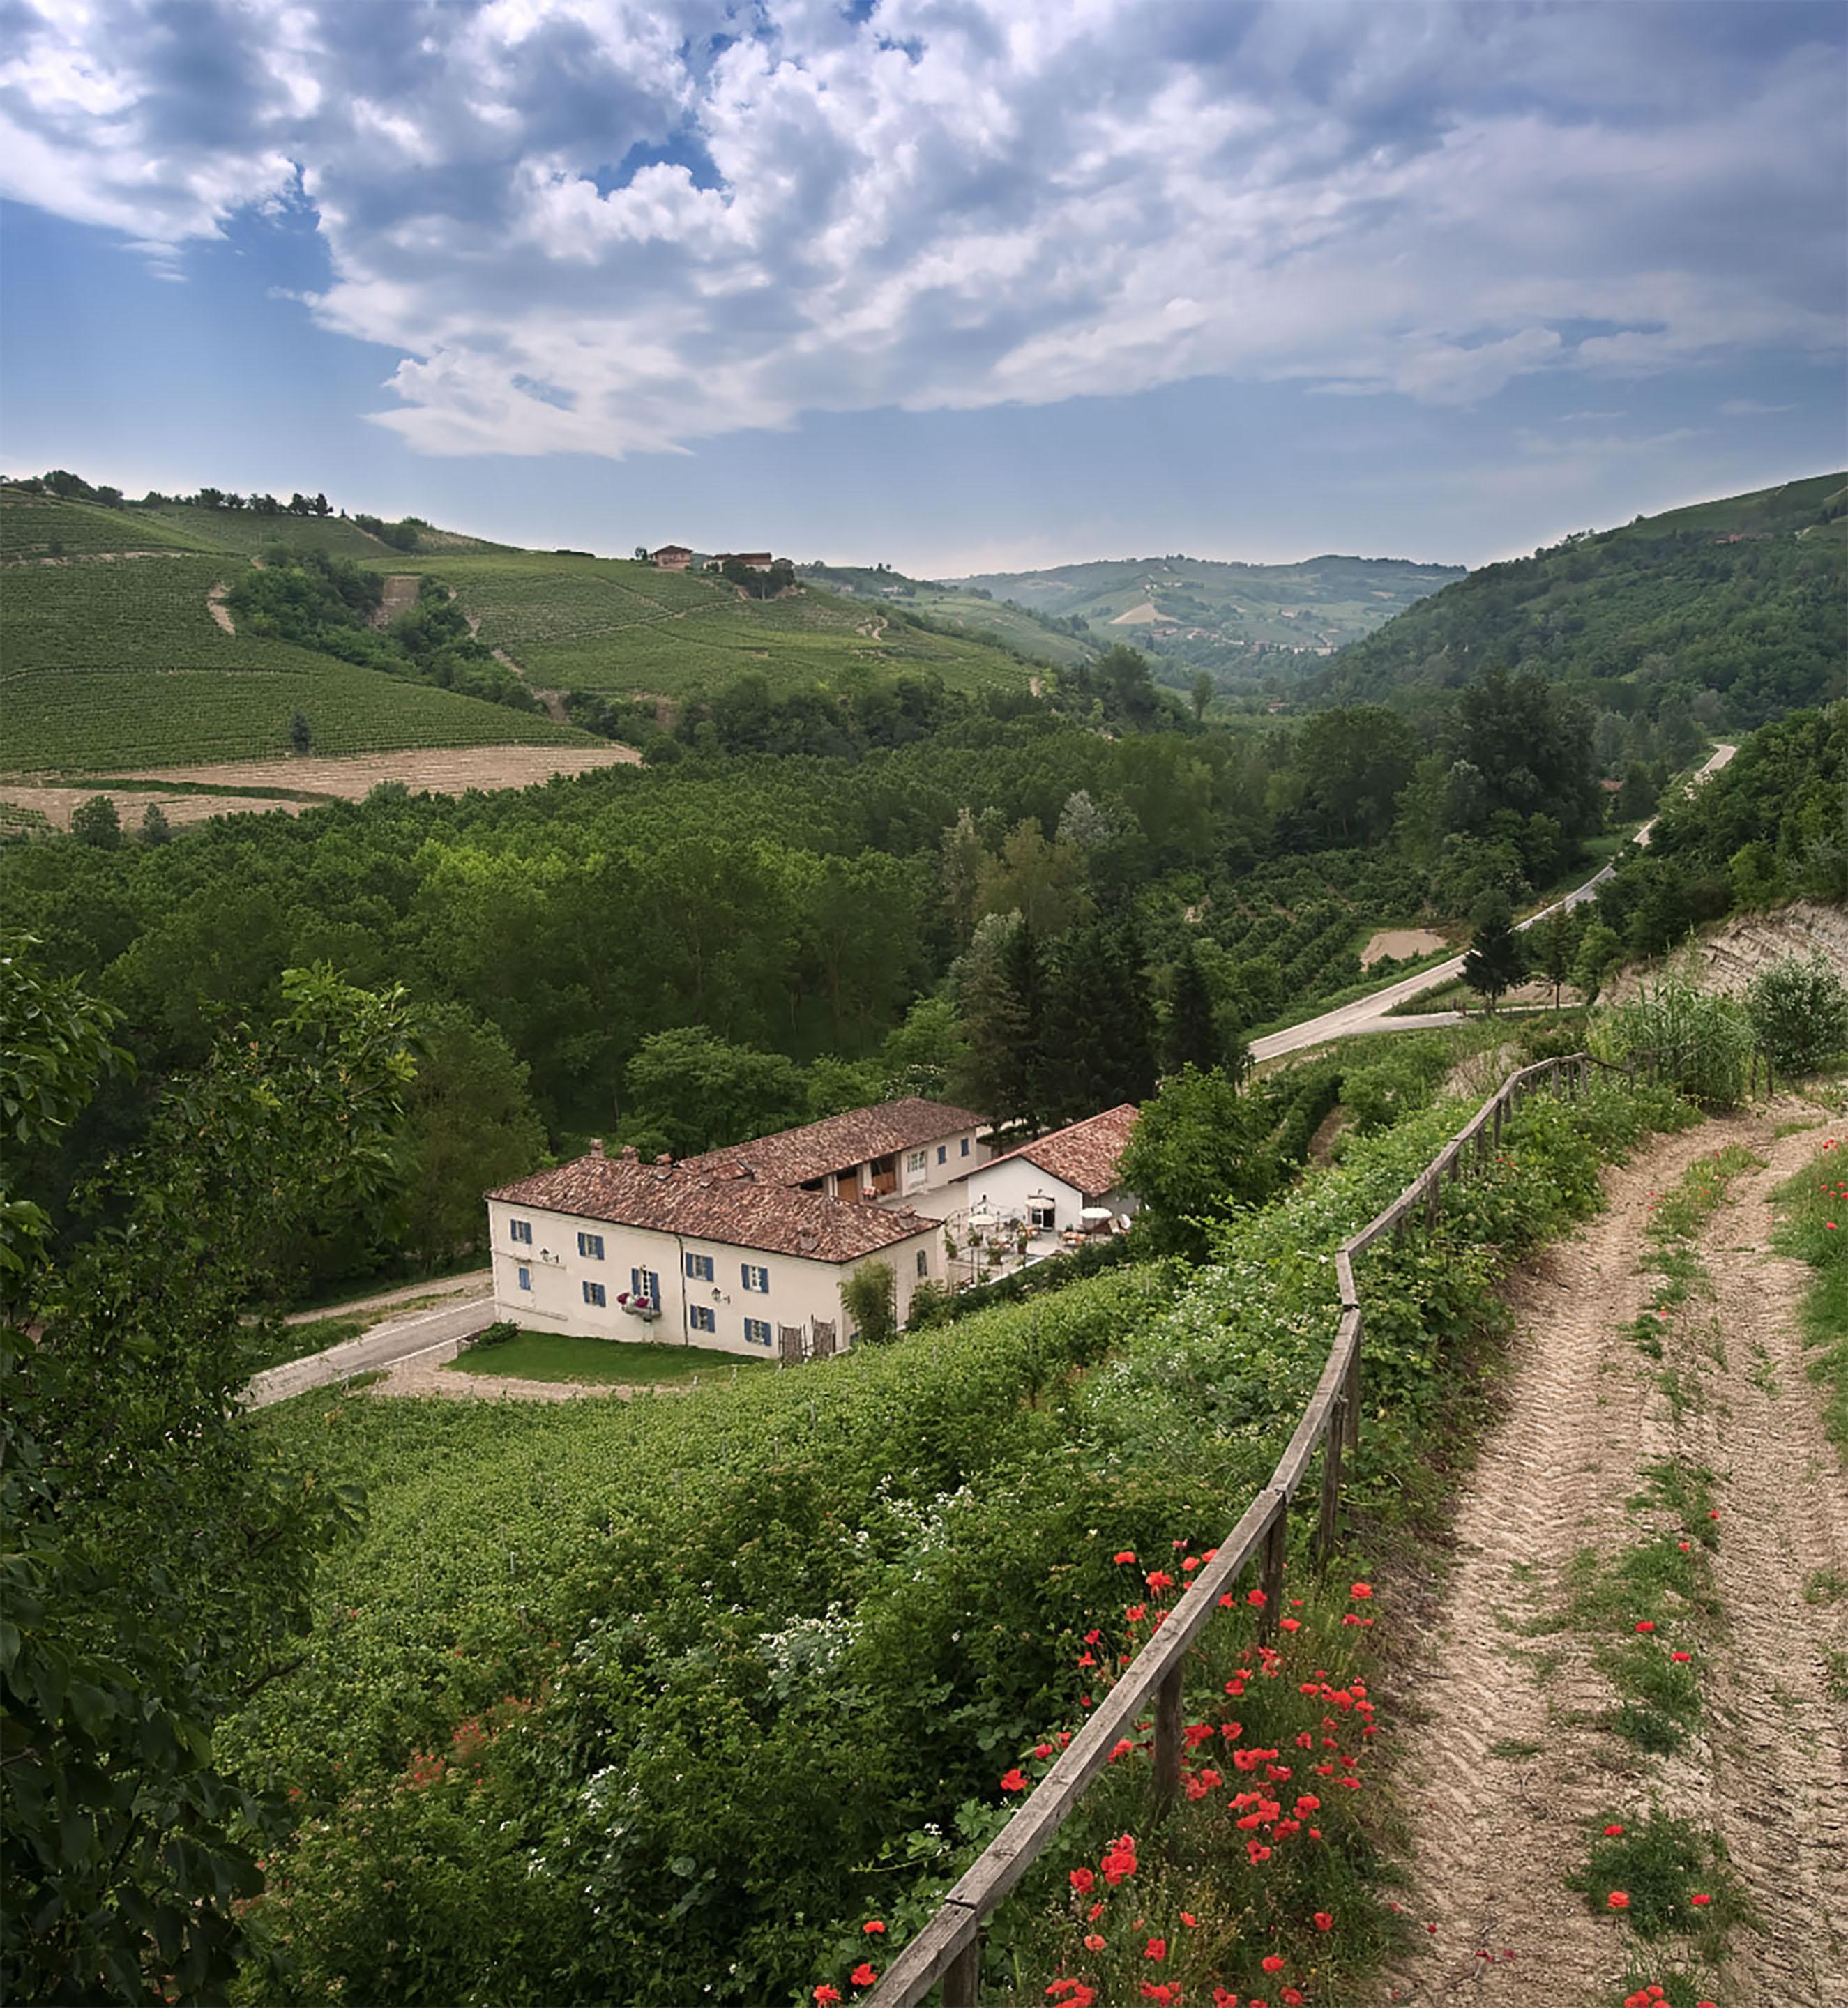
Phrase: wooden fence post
(1495,1122)
(963,1978)
(1329,1532)
(1352,1392)
(1167,1739)
(1271,1570)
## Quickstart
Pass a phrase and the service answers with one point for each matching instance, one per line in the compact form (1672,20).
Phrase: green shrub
(1798,1009)
(1698,1042)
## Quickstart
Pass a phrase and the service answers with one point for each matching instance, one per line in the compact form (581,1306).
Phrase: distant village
(749,1249)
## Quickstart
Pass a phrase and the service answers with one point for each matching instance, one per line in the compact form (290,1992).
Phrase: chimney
(664,1158)
(630,1154)
(597,1146)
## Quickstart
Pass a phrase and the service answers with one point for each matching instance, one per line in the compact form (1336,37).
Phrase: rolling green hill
(1238,621)
(1033,635)
(115,664)
(615,627)
(1746,597)
(37,527)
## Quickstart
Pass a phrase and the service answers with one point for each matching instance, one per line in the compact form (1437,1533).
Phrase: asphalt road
(1370,1014)
(440,1331)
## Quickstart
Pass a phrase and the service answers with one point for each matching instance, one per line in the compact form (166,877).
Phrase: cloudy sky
(955,283)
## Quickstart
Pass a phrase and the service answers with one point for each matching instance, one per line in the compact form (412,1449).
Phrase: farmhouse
(757,561)
(1058,1187)
(742,1250)
(671,557)
(905,1150)
(614,1248)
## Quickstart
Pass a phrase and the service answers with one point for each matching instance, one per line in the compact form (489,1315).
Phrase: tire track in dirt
(1510,1768)
(1778,1789)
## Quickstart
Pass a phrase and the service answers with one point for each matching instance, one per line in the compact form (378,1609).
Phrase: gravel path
(1506,1770)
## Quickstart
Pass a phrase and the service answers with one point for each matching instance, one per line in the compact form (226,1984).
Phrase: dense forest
(1736,608)
(706,948)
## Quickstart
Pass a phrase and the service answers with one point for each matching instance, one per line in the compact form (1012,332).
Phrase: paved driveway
(435,1334)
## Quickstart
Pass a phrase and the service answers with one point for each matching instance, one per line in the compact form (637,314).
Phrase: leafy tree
(155,829)
(1198,1151)
(1497,958)
(96,823)
(1599,948)
(867,1297)
(469,1124)
(1637,796)
(300,733)
(1798,1012)
(1200,696)
(1043,882)
(689,1091)
(159,1553)
(1351,765)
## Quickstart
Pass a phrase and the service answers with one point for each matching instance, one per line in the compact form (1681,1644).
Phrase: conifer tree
(1192,1036)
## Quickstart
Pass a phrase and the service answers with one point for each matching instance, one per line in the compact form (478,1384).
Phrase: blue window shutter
(635,1282)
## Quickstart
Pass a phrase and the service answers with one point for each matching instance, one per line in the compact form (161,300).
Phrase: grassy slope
(611,624)
(1745,614)
(976,615)
(121,664)
(40,526)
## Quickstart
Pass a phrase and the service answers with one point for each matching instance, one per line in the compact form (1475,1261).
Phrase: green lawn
(554,1355)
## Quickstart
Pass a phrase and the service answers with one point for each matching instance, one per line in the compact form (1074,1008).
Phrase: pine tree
(1191,1035)
(1497,958)
(300,733)
(1099,1029)
(155,829)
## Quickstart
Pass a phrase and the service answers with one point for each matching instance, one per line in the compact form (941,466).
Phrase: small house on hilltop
(757,561)
(671,557)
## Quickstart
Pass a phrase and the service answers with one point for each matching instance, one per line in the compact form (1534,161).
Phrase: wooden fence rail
(949,1947)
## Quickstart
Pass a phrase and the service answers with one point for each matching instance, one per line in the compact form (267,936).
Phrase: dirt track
(447,770)
(1512,1770)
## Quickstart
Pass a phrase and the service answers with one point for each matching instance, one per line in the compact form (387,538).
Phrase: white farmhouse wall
(1006,1188)
(801,1288)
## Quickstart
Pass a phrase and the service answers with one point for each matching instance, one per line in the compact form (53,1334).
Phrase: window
(521,1230)
(943,1153)
(525,1277)
(591,1245)
(1042,1213)
(700,1270)
(923,1262)
(756,1278)
(703,1318)
(757,1332)
(593,1294)
(965,1146)
(917,1161)
(645,1284)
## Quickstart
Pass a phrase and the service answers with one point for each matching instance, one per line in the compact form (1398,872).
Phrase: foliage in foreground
(576,1716)
(1813,1208)
(158,1552)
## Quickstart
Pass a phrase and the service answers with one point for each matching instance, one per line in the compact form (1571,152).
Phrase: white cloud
(615,225)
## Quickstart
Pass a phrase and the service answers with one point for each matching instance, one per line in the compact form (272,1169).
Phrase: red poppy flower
(1095,1941)
(1156,1948)
(1618,1900)
(1324,1921)
(1610,1832)
(1125,1555)
(1293,1997)
(825,1995)
(1083,1881)
(862,1975)
(1361,1589)
(1223,1997)
(1681,1659)
(1160,1991)
(1257,1598)
(872,1927)
(1014,1781)
(1645,1624)
(1699,1900)
(1272,1962)
(1043,1750)
(1159,1580)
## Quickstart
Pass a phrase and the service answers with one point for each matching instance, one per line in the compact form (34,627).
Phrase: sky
(957,286)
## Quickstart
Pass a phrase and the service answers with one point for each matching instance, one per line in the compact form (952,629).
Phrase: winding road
(1370,1013)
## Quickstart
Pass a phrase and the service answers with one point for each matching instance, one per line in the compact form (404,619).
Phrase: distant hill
(1243,623)
(1746,597)
(1041,637)
(118,650)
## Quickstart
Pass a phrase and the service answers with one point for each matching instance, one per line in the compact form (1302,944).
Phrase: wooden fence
(949,1947)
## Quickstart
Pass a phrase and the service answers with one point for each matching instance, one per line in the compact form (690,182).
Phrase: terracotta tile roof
(791,1157)
(1085,1155)
(714,1205)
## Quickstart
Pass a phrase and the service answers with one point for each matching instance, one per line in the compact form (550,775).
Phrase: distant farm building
(757,561)
(671,557)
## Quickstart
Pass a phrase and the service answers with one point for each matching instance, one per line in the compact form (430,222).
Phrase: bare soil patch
(436,770)
(432,1377)
(398,596)
(58,805)
(215,606)
(1510,1768)
(1398,943)
(1729,956)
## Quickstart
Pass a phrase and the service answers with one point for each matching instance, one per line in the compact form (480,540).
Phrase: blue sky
(959,284)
